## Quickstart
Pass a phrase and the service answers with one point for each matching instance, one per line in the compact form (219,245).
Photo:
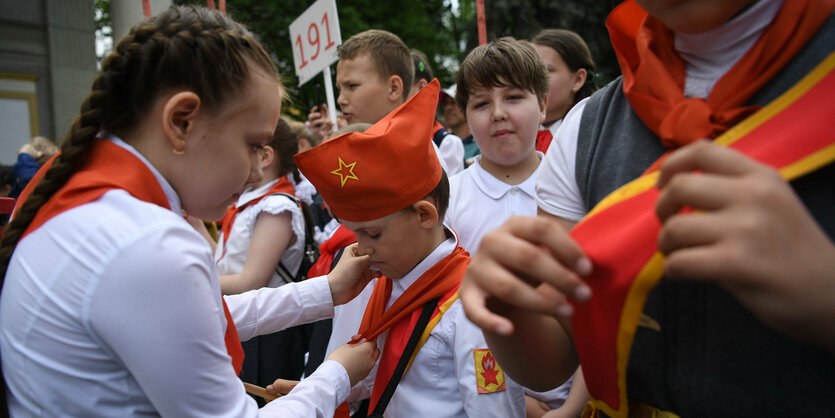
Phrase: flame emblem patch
(488,374)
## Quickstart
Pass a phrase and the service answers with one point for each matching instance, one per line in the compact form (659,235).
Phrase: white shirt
(440,157)
(452,154)
(441,381)
(553,127)
(708,57)
(113,308)
(231,257)
(479,203)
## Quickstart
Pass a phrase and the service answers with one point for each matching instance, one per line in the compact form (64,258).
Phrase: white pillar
(72,58)
(126,13)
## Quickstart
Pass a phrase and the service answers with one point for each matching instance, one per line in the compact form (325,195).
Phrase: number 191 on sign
(313,41)
(315,35)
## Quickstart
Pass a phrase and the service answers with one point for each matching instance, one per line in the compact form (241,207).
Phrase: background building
(47,62)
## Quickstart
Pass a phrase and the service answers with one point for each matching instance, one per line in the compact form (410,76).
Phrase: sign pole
(326,75)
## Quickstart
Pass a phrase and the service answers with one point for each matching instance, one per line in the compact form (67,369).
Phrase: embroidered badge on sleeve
(488,375)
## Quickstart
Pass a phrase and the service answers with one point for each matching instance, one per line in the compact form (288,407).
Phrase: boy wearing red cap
(395,204)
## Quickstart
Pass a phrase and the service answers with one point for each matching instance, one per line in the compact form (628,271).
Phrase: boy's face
(392,242)
(363,95)
(504,122)
(452,115)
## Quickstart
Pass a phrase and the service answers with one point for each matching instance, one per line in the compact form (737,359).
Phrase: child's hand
(350,275)
(510,265)
(357,359)
(281,387)
(751,234)
(319,123)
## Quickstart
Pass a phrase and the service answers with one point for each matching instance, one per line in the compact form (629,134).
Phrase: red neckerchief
(341,238)
(441,279)
(791,134)
(281,186)
(654,72)
(543,140)
(109,167)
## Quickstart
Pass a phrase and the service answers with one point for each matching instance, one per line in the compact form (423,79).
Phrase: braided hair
(186,48)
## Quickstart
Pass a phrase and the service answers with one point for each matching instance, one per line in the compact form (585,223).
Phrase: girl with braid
(111,304)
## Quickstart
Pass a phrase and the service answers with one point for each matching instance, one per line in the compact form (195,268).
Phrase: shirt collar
(495,188)
(170,193)
(251,194)
(441,251)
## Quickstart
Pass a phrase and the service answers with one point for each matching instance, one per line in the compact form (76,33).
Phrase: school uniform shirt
(113,308)
(452,154)
(440,157)
(231,256)
(480,203)
(441,381)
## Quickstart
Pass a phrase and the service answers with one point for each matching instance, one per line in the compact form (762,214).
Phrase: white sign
(315,35)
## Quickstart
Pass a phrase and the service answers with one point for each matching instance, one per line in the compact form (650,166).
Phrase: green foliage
(523,20)
(431,26)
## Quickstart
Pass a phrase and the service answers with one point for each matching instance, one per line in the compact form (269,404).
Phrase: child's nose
(499,112)
(365,250)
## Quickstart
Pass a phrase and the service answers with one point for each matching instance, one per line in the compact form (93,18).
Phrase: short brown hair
(390,55)
(503,62)
(440,195)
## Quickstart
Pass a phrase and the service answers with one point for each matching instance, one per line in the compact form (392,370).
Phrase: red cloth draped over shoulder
(654,73)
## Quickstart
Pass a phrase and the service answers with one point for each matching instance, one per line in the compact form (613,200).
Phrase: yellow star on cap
(342,176)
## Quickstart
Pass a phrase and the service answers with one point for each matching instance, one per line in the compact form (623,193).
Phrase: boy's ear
(178,116)
(427,213)
(394,84)
(543,105)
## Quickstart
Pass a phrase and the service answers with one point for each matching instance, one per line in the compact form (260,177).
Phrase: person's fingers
(698,191)
(690,230)
(553,236)
(474,302)
(539,250)
(705,262)
(706,157)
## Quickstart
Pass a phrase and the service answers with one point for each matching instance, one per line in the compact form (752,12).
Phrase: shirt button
(513,191)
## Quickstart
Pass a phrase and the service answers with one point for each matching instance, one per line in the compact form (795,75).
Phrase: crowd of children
(703,288)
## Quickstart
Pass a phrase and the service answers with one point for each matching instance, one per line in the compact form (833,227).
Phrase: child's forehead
(501,85)
(376,224)
(361,65)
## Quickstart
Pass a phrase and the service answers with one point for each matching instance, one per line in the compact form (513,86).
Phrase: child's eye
(373,236)
(256,147)
(479,104)
(515,97)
